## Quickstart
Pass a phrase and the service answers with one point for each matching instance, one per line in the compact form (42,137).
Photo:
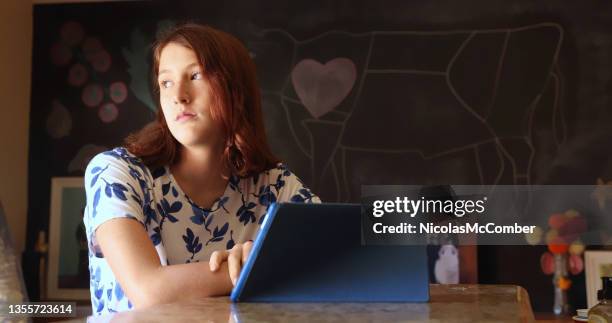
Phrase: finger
(234,262)
(246,250)
(217,258)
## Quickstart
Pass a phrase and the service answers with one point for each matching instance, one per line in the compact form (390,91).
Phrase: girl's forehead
(176,55)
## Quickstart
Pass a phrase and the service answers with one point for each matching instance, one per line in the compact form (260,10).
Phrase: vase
(560,275)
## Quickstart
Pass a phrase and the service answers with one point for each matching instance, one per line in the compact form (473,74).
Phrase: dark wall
(445,92)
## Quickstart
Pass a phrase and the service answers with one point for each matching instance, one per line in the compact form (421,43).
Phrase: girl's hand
(235,257)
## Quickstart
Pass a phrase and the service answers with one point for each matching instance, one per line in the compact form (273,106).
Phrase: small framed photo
(68,270)
(598,263)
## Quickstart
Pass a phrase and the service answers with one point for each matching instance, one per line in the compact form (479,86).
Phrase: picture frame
(67,272)
(598,263)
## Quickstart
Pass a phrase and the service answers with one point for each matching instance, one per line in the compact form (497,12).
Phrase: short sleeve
(115,186)
(291,187)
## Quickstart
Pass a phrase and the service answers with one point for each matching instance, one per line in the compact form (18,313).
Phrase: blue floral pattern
(119,185)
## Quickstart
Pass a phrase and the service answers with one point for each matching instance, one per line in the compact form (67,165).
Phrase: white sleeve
(115,186)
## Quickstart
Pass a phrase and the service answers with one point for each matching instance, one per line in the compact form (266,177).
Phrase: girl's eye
(196,76)
(165,84)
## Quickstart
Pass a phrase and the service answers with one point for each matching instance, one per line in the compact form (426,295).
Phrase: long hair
(235,105)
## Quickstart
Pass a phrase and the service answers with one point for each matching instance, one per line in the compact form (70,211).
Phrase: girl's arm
(135,263)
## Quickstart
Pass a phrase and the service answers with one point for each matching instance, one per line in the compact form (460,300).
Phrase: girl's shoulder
(120,160)
(280,171)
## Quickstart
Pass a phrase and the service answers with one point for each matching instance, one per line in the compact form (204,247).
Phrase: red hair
(236,104)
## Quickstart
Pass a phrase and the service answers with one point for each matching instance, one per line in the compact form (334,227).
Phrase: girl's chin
(192,141)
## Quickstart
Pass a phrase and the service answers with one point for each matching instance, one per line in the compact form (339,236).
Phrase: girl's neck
(200,168)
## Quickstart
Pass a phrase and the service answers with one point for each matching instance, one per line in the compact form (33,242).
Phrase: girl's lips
(184,116)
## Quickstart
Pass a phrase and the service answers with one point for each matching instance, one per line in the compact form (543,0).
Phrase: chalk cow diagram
(406,107)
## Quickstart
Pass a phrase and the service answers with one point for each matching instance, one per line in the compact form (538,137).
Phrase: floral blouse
(119,185)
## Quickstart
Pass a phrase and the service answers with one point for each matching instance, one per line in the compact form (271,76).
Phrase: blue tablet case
(313,253)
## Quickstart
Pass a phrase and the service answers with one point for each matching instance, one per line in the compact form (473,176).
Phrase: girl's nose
(181,96)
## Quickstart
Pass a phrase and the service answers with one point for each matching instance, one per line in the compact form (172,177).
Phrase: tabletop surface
(448,303)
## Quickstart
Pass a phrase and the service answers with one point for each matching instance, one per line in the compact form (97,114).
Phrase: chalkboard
(354,92)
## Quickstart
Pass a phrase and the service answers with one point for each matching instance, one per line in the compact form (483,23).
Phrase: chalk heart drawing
(321,87)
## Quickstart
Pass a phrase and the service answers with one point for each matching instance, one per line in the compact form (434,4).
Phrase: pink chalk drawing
(108,112)
(77,75)
(118,92)
(322,87)
(92,95)
(59,120)
(90,46)
(60,54)
(101,61)
(71,33)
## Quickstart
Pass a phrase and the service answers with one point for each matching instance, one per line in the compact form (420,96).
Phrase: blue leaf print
(218,233)
(196,241)
(198,217)
(97,276)
(129,304)
(122,154)
(174,192)
(150,214)
(306,193)
(107,191)
(96,199)
(98,292)
(134,173)
(169,209)
(222,201)
(118,292)
(100,306)
(222,231)
(266,196)
(158,172)
(162,212)
(165,189)
(163,206)
(118,189)
(171,218)
(165,209)
(99,171)
(283,167)
(136,199)
(188,238)
(214,240)
(279,182)
(93,180)
(134,194)
(233,183)
(192,243)
(109,294)
(156,237)
(245,215)
(230,243)
(297,199)
(176,206)
(209,221)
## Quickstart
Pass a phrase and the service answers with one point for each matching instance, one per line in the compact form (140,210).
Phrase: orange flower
(557,246)
(564,283)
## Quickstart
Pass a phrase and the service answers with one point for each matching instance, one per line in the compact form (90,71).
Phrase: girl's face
(185,97)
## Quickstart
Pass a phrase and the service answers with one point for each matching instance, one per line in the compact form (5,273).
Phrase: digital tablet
(313,253)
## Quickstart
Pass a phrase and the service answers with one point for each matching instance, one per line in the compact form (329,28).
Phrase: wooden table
(449,303)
